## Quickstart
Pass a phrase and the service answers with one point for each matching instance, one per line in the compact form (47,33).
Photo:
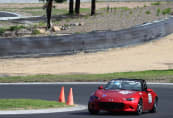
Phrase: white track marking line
(44,111)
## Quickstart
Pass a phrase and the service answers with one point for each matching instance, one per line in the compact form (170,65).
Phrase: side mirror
(149,90)
(100,87)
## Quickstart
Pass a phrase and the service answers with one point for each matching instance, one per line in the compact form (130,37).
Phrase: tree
(49,13)
(71,7)
(77,7)
(93,7)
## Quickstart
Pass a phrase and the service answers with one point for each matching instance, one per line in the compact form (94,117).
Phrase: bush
(42,24)
(147,12)
(17,27)
(131,12)
(155,3)
(166,11)
(158,12)
(35,32)
(2,30)
(124,8)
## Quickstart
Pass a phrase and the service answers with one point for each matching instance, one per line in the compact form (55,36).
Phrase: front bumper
(127,106)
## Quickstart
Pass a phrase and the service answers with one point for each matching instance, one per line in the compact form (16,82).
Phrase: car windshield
(124,85)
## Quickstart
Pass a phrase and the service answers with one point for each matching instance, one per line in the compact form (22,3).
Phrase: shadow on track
(86,113)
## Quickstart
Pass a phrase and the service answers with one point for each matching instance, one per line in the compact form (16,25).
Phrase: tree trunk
(71,7)
(49,12)
(93,7)
(77,7)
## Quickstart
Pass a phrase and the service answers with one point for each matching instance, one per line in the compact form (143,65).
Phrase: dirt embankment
(83,5)
(121,15)
(153,55)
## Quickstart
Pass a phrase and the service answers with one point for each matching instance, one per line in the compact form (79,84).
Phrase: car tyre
(155,106)
(91,110)
(139,110)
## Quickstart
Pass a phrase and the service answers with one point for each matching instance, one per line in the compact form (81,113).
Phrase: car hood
(114,95)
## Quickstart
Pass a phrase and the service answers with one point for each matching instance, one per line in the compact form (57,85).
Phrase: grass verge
(25,104)
(151,75)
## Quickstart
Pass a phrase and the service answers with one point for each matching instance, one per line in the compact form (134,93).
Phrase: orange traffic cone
(70,98)
(62,96)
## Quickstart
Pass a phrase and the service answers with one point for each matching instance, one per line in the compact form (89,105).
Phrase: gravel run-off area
(155,55)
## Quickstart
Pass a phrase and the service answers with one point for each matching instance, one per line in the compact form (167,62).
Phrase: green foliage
(145,5)
(2,30)
(42,24)
(11,28)
(66,25)
(77,32)
(148,12)
(158,12)
(166,11)
(16,27)
(155,3)
(35,32)
(124,8)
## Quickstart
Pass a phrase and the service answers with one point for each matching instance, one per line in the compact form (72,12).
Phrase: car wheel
(140,108)
(91,110)
(155,106)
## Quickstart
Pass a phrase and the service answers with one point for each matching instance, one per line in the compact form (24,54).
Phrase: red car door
(150,100)
(147,97)
(145,100)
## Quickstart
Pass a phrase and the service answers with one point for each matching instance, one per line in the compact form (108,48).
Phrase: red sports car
(129,95)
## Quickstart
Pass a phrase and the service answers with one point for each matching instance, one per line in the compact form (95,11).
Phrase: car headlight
(130,99)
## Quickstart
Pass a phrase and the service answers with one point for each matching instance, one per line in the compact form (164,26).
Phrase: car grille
(110,105)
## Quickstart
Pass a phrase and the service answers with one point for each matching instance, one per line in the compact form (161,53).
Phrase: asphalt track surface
(81,96)
(7,14)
